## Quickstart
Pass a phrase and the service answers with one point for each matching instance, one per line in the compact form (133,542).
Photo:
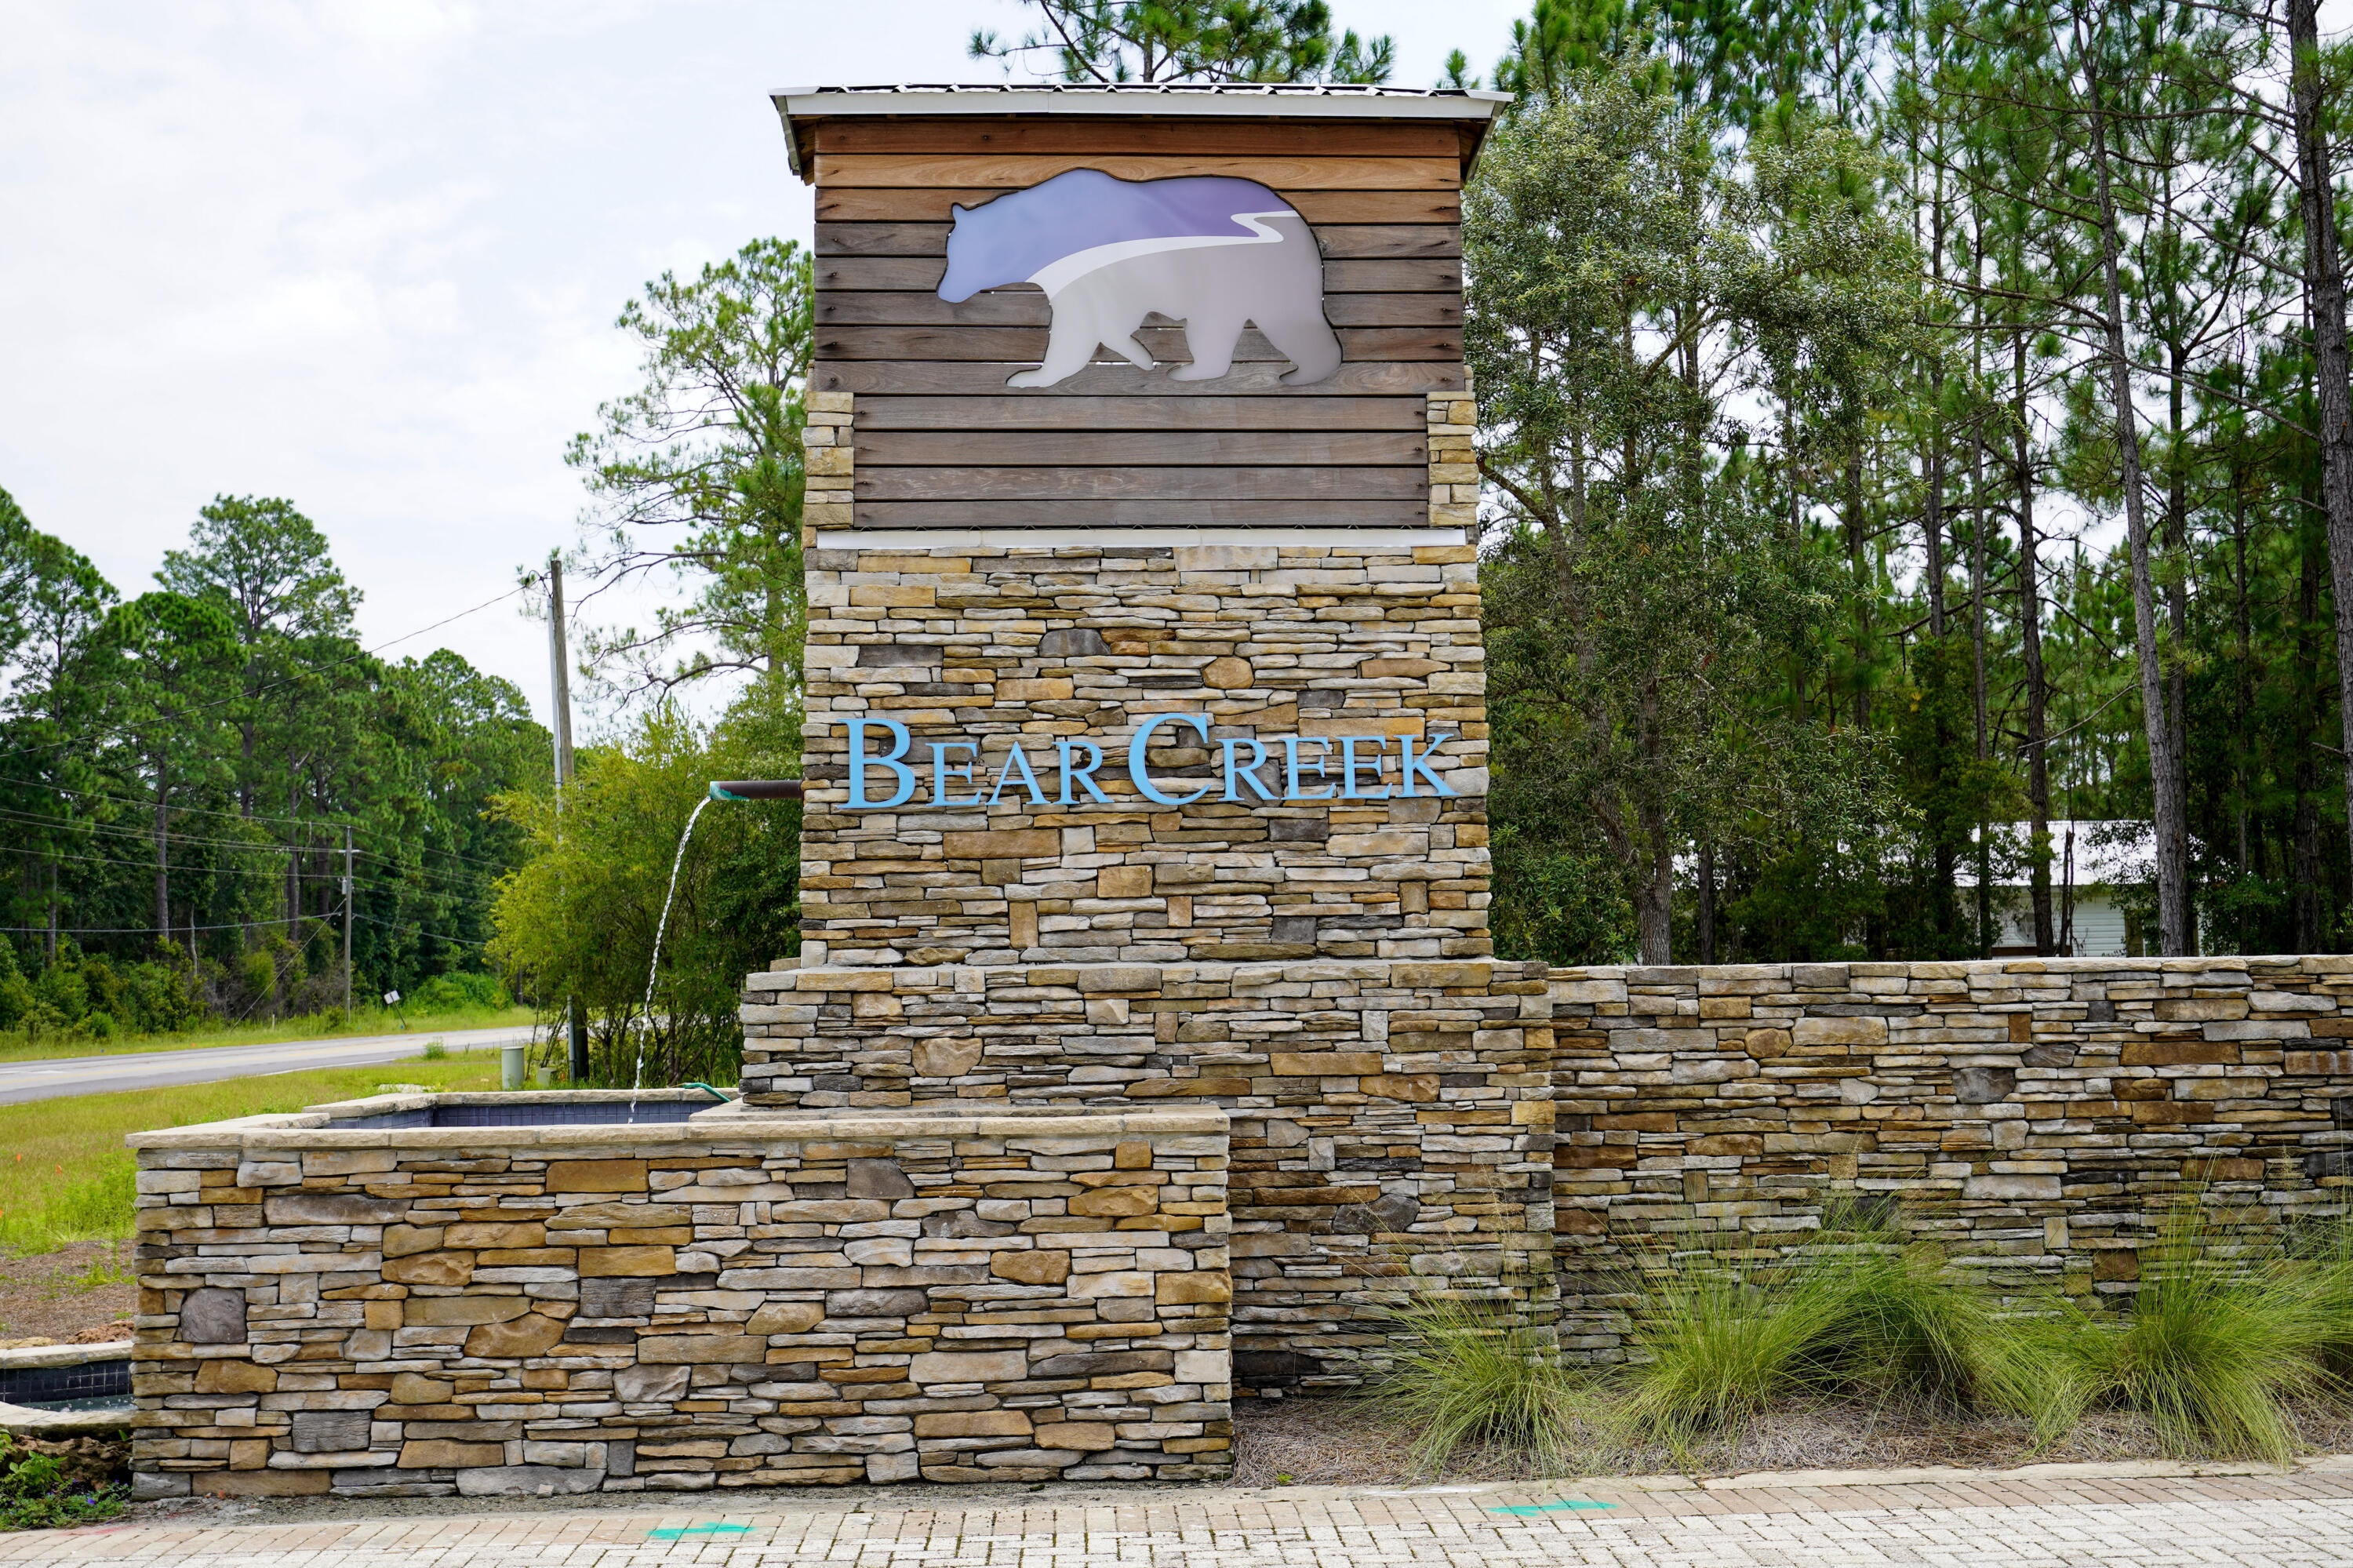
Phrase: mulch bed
(1337,1440)
(78,1295)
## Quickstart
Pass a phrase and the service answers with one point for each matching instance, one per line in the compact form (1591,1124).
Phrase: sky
(366,254)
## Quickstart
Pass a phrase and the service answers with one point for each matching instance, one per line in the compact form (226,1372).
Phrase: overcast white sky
(366,254)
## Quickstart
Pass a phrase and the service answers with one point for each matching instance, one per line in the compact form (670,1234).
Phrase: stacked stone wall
(1000,645)
(1392,1121)
(742,1301)
(2033,1114)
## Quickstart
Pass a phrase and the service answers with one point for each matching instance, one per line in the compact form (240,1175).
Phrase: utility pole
(347,925)
(576,1017)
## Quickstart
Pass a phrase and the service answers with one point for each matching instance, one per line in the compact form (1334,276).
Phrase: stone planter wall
(739,1300)
(2028,1111)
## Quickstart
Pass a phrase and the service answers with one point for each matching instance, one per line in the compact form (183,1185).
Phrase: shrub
(1478,1373)
(49,1486)
(459,993)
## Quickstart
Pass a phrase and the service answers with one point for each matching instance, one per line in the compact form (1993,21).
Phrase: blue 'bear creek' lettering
(1307,767)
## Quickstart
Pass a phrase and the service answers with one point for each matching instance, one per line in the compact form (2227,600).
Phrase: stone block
(1032,1267)
(450,1311)
(879,1178)
(260,1483)
(529,1335)
(786,1318)
(1085,1437)
(973,1424)
(430,1268)
(400,1241)
(1004,844)
(497,1233)
(529,1480)
(1172,1288)
(213,1316)
(615,1296)
(1116,1201)
(329,1209)
(597,1176)
(1325,1063)
(442,1452)
(2012,1188)
(1816,1034)
(902,1302)
(931,1367)
(644,1385)
(657,1349)
(329,1431)
(408,1388)
(226,1375)
(606,1262)
(1984,1085)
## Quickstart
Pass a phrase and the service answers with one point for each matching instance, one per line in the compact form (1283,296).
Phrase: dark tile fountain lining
(540,1113)
(58,1386)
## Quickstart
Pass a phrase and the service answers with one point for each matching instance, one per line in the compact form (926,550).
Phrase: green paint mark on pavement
(695,1530)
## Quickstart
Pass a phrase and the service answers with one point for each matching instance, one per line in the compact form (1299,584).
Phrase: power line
(273,844)
(153,931)
(275,873)
(472,880)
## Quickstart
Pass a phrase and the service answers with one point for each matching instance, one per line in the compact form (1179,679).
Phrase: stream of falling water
(653,966)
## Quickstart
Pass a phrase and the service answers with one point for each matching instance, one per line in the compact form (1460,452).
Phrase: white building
(2088,860)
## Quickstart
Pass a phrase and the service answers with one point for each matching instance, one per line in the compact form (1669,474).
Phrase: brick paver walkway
(2077,1515)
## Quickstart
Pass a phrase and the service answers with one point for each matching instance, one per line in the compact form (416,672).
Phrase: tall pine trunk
(2324,304)
(2029,626)
(2173,912)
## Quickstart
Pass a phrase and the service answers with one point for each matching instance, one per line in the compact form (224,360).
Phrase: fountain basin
(577,1108)
(1047,1287)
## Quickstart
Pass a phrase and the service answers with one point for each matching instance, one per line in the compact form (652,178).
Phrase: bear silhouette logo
(1214,252)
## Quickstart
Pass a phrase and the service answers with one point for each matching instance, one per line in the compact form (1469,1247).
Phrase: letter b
(860,759)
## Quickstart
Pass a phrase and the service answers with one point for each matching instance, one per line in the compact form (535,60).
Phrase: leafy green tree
(1624,285)
(1204,40)
(580,918)
(698,474)
(179,662)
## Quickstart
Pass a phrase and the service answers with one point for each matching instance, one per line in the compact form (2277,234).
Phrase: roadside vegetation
(423,1023)
(64,1175)
(2237,1336)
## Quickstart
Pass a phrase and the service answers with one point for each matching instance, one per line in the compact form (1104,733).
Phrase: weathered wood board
(943,441)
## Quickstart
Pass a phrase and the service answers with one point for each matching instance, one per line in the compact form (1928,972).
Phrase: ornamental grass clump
(2225,1332)
(1478,1373)
(1722,1337)
(1719,1339)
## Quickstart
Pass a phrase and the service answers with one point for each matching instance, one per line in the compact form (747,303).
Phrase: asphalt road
(21,1081)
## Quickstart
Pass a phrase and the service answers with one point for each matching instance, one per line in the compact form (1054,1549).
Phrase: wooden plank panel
(1016,346)
(1035,448)
(1124,133)
(1340,240)
(1029,411)
(1142,484)
(1019,170)
(869,274)
(858,204)
(1024,305)
(926,377)
(1165,514)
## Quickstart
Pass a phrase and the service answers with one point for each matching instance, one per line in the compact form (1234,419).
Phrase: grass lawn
(65,1176)
(366,1021)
